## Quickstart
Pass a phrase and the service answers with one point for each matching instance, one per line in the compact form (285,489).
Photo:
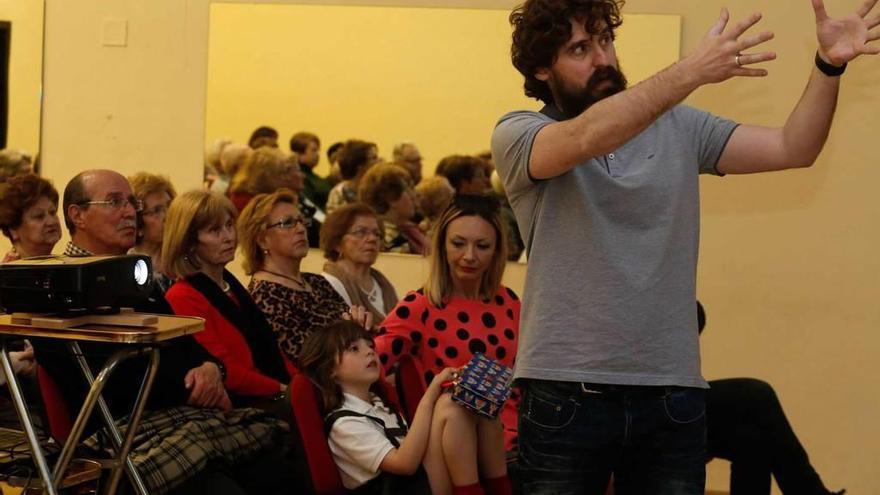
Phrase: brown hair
(439,284)
(336,225)
(354,156)
(460,168)
(252,223)
(541,27)
(300,141)
(144,184)
(264,171)
(18,194)
(382,185)
(189,213)
(434,195)
(321,353)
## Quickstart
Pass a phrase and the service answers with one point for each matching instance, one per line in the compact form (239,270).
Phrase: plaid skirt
(172,445)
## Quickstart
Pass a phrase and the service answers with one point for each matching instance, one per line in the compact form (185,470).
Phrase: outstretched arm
(606,125)
(797,144)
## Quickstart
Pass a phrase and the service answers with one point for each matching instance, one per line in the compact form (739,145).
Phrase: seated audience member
(335,175)
(463,308)
(374,449)
(155,192)
(350,239)
(273,241)
(746,425)
(355,158)
(265,170)
(201,239)
(515,244)
(387,189)
(213,171)
(307,147)
(434,195)
(263,136)
(306,207)
(231,451)
(14,162)
(407,156)
(466,174)
(29,216)
(231,160)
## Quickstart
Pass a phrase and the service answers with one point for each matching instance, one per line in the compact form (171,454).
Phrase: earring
(265,251)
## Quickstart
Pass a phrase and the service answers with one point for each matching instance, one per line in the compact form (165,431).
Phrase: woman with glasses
(200,240)
(350,238)
(156,193)
(463,308)
(274,243)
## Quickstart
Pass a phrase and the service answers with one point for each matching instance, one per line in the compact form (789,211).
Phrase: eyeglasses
(290,223)
(116,203)
(156,210)
(364,232)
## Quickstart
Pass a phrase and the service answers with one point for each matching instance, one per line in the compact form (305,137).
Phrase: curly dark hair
(18,194)
(541,27)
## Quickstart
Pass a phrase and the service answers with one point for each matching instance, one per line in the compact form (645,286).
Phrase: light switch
(115,32)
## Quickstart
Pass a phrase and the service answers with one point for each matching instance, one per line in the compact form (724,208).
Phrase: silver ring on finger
(737,61)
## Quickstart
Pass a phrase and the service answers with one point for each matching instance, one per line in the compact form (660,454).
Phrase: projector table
(142,340)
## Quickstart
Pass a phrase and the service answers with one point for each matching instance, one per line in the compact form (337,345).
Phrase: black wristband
(222,369)
(828,69)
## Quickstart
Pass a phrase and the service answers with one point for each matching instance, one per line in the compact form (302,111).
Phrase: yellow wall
(25,61)
(437,77)
(788,268)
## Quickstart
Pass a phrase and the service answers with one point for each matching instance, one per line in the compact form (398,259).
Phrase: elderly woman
(434,195)
(274,243)
(265,170)
(355,158)
(200,240)
(14,162)
(350,239)
(29,216)
(388,190)
(156,193)
(462,309)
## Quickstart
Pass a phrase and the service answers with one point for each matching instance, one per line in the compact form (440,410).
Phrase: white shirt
(376,295)
(359,444)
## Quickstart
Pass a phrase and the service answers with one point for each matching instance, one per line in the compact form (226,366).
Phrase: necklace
(298,281)
(372,294)
(225,286)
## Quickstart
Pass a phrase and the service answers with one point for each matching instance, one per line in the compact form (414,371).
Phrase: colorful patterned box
(483,386)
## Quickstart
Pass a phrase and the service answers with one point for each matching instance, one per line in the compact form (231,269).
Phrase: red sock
(498,486)
(475,489)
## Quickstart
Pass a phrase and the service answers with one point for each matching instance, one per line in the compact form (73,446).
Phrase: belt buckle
(586,390)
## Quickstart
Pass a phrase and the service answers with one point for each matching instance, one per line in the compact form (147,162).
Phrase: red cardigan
(225,342)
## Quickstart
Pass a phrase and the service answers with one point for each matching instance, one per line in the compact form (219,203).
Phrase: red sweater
(449,336)
(223,340)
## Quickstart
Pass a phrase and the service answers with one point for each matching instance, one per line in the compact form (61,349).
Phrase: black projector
(65,284)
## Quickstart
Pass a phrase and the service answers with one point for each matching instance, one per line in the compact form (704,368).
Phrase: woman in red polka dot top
(462,309)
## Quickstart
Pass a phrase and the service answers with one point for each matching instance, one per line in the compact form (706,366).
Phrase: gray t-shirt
(610,293)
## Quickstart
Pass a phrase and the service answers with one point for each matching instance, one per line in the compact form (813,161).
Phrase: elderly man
(407,156)
(100,212)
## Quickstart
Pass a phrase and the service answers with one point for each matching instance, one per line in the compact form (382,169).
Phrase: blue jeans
(573,436)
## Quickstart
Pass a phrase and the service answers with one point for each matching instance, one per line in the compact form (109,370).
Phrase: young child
(373,446)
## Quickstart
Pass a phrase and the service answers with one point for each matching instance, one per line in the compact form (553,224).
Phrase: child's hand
(445,376)
(359,315)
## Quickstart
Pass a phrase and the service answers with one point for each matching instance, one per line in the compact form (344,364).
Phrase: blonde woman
(265,170)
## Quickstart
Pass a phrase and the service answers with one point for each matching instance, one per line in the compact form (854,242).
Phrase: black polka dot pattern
(432,343)
(499,300)
(410,298)
(477,345)
(397,346)
(512,294)
(425,315)
(488,320)
(451,352)
(501,353)
(508,334)
(510,313)
(463,317)
(416,336)
(493,339)
(402,312)
(440,324)
(429,376)
(462,334)
(383,359)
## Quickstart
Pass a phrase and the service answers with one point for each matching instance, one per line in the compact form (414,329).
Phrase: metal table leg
(26,423)
(123,446)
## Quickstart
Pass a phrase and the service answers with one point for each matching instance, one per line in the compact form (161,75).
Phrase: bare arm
(798,143)
(613,121)
(407,459)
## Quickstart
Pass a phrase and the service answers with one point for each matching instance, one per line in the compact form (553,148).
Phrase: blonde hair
(439,285)
(434,195)
(232,158)
(14,162)
(263,171)
(189,213)
(252,223)
(144,183)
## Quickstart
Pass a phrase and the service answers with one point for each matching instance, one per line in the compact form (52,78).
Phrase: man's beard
(573,102)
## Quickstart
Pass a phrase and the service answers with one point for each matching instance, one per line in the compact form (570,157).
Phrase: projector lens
(141,272)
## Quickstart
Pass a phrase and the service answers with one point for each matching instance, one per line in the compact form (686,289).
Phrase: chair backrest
(57,412)
(306,405)
(411,385)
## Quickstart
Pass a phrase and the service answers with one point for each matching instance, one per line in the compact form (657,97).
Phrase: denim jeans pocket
(548,409)
(685,405)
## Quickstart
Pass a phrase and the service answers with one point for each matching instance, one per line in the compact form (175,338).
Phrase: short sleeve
(359,442)
(711,133)
(512,143)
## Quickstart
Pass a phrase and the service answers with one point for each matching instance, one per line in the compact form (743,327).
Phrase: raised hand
(720,55)
(845,38)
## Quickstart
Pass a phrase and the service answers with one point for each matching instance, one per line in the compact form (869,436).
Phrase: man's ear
(75,213)
(543,74)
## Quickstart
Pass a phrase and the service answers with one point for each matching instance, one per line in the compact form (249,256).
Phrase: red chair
(57,414)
